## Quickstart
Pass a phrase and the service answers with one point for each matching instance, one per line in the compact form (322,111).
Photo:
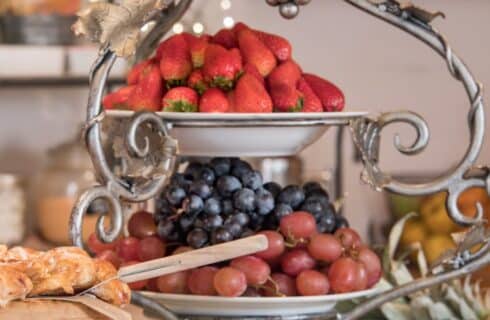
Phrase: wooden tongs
(188,260)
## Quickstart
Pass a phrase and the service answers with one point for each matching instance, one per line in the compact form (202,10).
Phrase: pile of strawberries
(236,70)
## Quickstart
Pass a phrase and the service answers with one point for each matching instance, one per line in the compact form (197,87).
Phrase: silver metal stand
(366,134)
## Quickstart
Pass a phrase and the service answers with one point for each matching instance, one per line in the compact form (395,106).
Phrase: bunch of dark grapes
(226,199)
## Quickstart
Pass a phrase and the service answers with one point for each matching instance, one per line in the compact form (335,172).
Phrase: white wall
(379,68)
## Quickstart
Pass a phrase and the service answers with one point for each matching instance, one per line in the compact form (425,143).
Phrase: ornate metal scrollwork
(114,188)
(366,135)
(454,182)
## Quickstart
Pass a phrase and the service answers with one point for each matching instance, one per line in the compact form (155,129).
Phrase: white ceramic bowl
(250,306)
(247,135)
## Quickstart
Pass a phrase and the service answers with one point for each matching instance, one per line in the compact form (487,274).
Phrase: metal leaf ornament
(117,26)
(466,241)
(417,12)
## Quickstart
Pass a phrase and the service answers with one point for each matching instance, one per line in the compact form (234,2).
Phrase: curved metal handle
(153,306)
(454,181)
(366,135)
(116,188)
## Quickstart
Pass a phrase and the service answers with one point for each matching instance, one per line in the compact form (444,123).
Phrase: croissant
(14,285)
(26,272)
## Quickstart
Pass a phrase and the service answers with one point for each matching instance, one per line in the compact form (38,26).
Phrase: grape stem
(276,291)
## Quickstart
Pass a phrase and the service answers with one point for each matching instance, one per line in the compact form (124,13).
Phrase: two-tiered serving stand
(238,135)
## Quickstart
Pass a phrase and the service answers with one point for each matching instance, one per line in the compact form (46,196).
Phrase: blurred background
(43,94)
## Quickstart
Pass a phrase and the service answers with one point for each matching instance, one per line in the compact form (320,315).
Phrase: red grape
(173,283)
(372,263)
(312,283)
(151,248)
(344,275)
(182,249)
(275,247)
(362,277)
(255,269)
(230,282)
(97,246)
(127,248)
(137,285)
(325,247)
(152,285)
(111,256)
(280,284)
(298,225)
(324,270)
(251,292)
(141,224)
(348,237)
(274,264)
(295,261)
(201,281)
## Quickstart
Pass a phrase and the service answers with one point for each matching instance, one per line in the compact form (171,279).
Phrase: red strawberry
(164,44)
(133,76)
(118,99)
(175,63)
(255,52)
(197,47)
(148,92)
(286,98)
(180,99)
(198,50)
(231,101)
(189,38)
(239,26)
(311,101)
(225,38)
(278,45)
(214,100)
(252,70)
(286,73)
(251,96)
(196,81)
(236,57)
(331,97)
(221,66)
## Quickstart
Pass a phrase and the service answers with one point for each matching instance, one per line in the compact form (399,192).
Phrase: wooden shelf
(50,66)
(52,82)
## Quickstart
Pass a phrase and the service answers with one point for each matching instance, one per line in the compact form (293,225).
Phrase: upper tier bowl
(247,134)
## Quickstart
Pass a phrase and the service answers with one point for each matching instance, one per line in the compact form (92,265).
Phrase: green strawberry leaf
(298,107)
(180,106)
(200,87)
(175,83)
(239,75)
(222,83)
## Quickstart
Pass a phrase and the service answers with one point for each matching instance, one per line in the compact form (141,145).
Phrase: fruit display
(311,249)
(433,227)
(236,70)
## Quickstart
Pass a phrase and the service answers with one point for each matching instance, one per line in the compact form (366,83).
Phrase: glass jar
(12,210)
(67,174)
(31,7)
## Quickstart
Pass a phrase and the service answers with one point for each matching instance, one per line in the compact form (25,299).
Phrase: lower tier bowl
(182,304)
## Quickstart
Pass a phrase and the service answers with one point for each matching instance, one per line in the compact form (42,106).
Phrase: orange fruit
(414,231)
(435,245)
(473,195)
